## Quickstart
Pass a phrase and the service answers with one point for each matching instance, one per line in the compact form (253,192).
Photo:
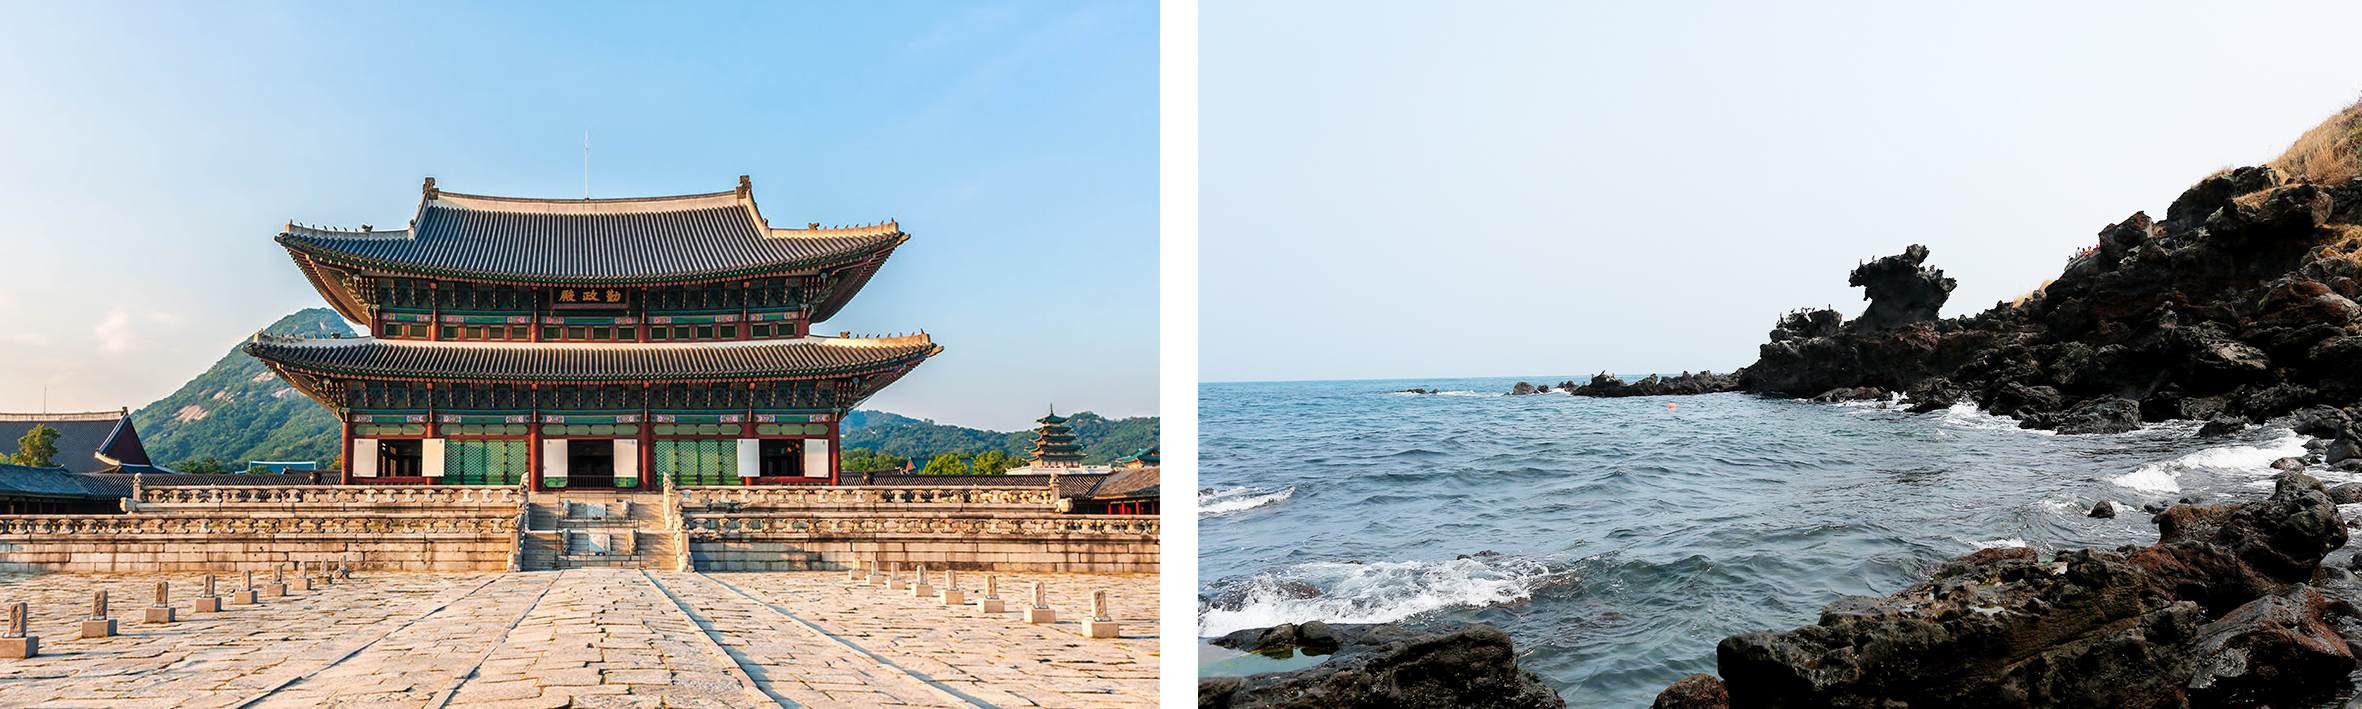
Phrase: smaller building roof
(87,442)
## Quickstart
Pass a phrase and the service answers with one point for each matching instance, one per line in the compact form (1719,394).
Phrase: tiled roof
(549,361)
(56,482)
(657,239)
(82,438)
(1129,482)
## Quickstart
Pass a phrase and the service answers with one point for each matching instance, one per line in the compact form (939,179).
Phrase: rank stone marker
(1102,626)
(853,571)
(98,625)
(992,596)
(951,589)
(303,580)
(277,588)
(1040,613)
(894,580)
(207,602)
(16,642)
(246,597)
(163,611)
(922,590)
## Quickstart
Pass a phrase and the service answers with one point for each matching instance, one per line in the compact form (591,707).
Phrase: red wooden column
(344,459)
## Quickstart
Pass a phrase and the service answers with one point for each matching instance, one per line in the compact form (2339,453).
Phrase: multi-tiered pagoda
(593,343)
(1053,444)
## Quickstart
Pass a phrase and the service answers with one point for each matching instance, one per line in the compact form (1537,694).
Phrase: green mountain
(239,411)
(1103,439)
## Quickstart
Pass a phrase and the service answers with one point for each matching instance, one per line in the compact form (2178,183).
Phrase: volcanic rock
(2341,449)
(2110,415)
(1605,385)
(2346,494)
(1899,290)
(1386,666)
(2222,425)
(2103,510)
(1522,389)
(2273,651)
(1698,691)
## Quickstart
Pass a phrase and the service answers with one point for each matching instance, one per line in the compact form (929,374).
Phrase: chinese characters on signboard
(578,296)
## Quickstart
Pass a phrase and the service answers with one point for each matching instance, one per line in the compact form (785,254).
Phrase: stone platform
(586,638)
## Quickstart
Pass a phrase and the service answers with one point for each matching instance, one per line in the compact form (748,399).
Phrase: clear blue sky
(149,151)
(1394,189)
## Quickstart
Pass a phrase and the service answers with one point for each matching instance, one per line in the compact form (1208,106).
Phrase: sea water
(1618,540)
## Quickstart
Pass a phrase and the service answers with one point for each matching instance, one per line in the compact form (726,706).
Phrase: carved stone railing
(370,525)
(284,495)
(761,497)
(709,526)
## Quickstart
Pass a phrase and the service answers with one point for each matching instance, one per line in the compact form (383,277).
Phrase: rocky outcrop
(1382,666)
(2219,612)
(1698,691)
(2242,302)
(1900,290)
(1608,386)
(1525,389)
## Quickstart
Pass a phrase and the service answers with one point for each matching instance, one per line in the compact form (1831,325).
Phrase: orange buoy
(1668,406)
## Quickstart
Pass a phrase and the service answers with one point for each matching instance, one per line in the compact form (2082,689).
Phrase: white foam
(2244,460)
(1381,592)
(2009,543)
(1239,499)
(1966,415)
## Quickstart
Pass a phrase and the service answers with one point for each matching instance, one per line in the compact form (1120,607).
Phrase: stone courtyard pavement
(583,638)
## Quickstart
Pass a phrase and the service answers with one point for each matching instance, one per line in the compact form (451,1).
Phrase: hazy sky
(149,151)
(1551,189)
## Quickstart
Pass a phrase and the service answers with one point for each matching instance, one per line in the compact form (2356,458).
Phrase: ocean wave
(1239,499)
(1381,592)
(2242,460)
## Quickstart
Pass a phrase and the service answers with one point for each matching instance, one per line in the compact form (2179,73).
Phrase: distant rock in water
(1523,389)
(1851,394)
(2103,510)
(1416,390)
(1605,385)
(2223,610)
(1381,666)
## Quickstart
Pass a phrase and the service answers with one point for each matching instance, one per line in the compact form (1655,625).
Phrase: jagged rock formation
(2229,608)
(1900,291)
(1377,666)
(2241,302)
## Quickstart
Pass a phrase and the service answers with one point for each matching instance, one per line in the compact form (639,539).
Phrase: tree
(946,464)
(206,466)
(38,448)
(991,463)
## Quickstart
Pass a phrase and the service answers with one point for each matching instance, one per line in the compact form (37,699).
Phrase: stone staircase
(598,529)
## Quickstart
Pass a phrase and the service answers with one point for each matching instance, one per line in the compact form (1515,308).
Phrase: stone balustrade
(752,497)
(408,525)
(708,526)
(174,496)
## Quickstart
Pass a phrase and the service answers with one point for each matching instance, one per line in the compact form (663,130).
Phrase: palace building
(592,343)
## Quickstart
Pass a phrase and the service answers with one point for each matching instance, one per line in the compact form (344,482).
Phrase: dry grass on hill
(2328,154)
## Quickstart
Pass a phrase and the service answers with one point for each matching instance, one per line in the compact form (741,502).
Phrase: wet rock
(1522,389)
(2222,425)
(1900,290)
(1851,394)
(1386,666)
(1481,554)
(2294,465)
(2318,421)
(2346,494)
(2275,651)
(1806,325)
(2222,556)
(2340,450)
(1934,394)
(1698,691)
(2103,510)
(2011,632)
(1415,390)
(2100,416)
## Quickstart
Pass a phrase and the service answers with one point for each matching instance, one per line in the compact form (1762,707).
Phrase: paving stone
(586,637)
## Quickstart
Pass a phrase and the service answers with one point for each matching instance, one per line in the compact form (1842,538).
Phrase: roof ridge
(70,416)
